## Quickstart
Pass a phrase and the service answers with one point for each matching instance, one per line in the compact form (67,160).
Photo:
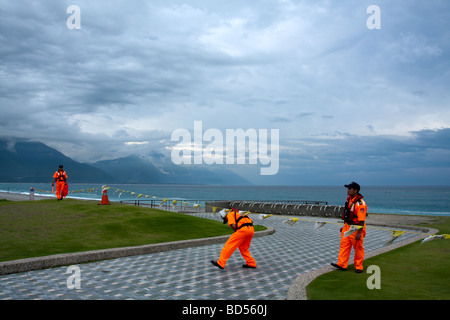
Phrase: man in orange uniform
(354,214)
(241,239)
(60,177)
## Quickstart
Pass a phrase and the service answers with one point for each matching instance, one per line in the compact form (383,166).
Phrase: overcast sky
(350,103)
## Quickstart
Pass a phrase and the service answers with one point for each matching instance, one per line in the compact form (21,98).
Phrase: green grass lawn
(413,272)
(45,227)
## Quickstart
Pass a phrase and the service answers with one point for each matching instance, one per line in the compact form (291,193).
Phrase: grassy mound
(45,227)
(413,272)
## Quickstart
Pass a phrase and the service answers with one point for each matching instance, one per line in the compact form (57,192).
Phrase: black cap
(353,185)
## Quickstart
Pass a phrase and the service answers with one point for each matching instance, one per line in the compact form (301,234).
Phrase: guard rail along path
(281,207)
(298,208)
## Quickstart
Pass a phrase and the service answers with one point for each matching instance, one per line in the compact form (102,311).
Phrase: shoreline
(407,202)
(372,218)
(14,196)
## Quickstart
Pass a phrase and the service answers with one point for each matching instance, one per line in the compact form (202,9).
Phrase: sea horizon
(409,199)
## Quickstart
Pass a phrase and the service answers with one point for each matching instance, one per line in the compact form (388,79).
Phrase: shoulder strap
(62,175)
(244,224)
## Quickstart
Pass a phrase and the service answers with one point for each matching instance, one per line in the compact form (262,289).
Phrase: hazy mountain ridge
(28,161)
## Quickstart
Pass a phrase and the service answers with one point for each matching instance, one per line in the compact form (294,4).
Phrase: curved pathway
(188,274)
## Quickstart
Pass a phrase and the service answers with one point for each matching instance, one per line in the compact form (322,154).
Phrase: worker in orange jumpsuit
(60,177)
(354,214)
(241,239)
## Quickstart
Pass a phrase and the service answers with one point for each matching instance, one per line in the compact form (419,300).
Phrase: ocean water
(424,200)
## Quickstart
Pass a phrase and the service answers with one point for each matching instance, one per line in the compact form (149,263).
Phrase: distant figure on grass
(60,177)
(240,239)
(354,217)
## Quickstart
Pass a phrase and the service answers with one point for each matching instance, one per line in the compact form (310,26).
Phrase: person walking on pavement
(355,211)
(60,177)
(240,239)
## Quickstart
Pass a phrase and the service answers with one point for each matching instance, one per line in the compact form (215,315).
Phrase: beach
(11,196)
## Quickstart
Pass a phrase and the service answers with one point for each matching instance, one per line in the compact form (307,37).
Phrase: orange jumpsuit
(241,239)
(360,210)
(61,178)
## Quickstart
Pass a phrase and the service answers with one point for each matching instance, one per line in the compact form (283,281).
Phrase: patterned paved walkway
(188,274)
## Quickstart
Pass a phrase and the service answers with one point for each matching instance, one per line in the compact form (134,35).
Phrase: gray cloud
(422,157)
(138,70)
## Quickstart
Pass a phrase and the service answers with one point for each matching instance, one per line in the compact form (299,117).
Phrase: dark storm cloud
(341,95)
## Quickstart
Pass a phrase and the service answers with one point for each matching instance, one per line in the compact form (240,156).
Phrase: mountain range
(28,161)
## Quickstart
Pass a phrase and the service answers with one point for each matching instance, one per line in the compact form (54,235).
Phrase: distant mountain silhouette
(155,168)
(23,161)
(26,161)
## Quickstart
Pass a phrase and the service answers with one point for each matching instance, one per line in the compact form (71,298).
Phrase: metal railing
(197,205)
(182,204)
